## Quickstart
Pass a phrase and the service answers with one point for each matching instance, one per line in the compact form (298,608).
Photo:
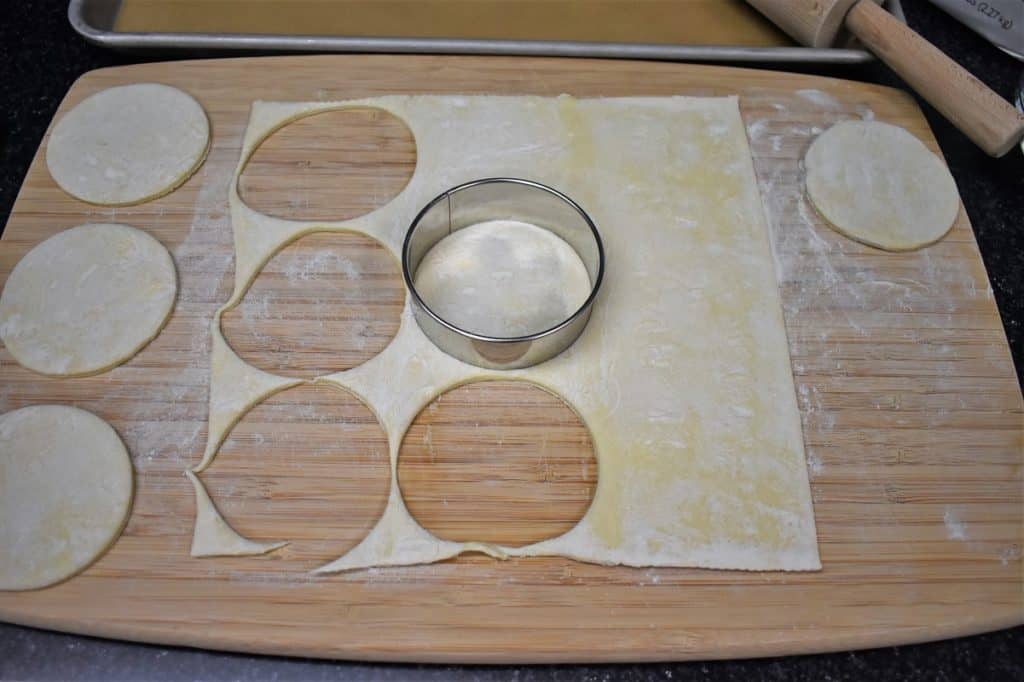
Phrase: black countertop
(40,57)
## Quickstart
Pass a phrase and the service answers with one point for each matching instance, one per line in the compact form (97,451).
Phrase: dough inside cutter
(503,278)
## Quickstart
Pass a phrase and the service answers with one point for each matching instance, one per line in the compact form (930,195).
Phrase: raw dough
(128,144)
(683,373)
(503,278)
(213,536)
(878,184)
(87,299)
(65,493)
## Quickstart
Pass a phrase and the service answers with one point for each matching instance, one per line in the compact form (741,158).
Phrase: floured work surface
(911,420)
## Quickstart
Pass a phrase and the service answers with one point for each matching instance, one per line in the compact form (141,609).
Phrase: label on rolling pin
(999,21)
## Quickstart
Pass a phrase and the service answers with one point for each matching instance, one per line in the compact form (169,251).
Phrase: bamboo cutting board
(912,414)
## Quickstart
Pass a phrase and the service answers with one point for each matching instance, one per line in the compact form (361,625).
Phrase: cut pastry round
(87,299)
(878,184)
(65,493)
(128,144)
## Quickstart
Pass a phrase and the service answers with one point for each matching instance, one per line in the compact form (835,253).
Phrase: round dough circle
(65,493)
(128,144)
(503,278)
(878,184)
(87,299)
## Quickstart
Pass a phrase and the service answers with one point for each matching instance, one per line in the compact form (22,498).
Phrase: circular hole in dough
(128,144)
(878,184)
(503,278)
(326,302)
(87,299)
(497,461)
(65,493)
(333,165)
(308,465)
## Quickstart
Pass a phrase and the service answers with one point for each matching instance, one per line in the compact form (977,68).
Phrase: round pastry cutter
(502,199)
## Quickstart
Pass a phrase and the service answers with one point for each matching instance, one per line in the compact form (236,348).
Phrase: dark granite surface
(40,56)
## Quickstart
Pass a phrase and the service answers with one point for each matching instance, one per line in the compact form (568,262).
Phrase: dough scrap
(879,185)
(213,535)
(682,375)
(235,388)
(128,144)
(65,493)
(503,278)
(87,299)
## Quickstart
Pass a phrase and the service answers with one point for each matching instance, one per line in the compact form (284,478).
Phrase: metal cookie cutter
(510,199)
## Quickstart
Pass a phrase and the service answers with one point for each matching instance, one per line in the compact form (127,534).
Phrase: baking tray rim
(78,12)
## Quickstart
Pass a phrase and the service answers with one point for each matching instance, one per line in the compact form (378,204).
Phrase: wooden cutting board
(911,409)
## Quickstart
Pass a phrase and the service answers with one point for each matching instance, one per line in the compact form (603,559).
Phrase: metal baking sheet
(94,20)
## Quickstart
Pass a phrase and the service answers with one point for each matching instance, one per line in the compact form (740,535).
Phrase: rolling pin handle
(987,119)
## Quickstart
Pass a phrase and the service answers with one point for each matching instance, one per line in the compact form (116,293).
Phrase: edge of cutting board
(248,645)
(588,77)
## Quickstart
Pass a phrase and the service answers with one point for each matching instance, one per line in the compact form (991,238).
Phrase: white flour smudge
(956,529)
(815,466)
(756,128)
(650,577)
(200,263)
(819,98)
(305,267)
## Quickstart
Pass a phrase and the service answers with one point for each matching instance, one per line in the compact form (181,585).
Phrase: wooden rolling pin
(985,117)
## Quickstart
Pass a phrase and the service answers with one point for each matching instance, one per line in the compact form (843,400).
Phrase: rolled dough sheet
(128,144)
(87,299)
(65,493)
(878,184)
(213,535)
(683,373)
